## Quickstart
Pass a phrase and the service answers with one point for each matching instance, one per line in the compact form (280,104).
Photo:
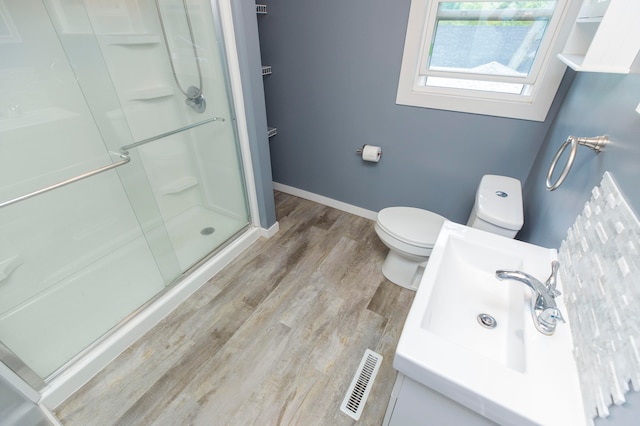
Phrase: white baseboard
(349,208)
(271,231)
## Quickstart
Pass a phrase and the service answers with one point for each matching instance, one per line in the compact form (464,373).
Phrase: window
(485,57)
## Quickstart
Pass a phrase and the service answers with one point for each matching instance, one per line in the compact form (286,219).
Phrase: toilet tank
(498,206)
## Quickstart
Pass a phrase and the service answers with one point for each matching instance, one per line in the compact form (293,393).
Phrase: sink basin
(465,287)
(510,373)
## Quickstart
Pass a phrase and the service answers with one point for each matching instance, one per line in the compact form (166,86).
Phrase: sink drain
(208,230)
(487,321)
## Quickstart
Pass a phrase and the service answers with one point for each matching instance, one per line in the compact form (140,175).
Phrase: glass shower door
(74,261)
(96,107)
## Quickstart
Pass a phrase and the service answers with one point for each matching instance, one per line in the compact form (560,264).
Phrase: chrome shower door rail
(124,160)
(125,149)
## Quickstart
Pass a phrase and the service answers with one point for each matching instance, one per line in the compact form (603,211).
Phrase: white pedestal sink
(509,374)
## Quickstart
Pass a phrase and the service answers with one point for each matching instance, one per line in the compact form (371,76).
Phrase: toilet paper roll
(371,153)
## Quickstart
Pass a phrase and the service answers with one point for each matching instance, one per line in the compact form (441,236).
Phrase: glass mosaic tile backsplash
(600,272)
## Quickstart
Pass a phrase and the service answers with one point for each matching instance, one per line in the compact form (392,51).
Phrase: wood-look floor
(274,338)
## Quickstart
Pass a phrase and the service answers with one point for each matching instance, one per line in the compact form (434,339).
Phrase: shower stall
(121,170)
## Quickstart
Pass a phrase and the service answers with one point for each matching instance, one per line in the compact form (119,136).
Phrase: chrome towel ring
(596,143)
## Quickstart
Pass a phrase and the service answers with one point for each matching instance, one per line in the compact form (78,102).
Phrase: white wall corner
(330,202)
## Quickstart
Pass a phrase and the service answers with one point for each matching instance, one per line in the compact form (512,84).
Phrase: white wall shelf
(266,69)
(271,131)
(605,37)
(261,9)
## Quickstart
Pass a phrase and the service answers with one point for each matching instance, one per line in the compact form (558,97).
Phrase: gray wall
(335,66)
(596,104)
(246,32)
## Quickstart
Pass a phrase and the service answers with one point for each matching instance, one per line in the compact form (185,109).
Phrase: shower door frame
(97,356)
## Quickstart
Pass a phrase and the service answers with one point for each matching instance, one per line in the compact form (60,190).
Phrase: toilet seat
(410,225)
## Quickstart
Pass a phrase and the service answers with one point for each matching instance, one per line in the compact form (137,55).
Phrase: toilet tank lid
(499,201)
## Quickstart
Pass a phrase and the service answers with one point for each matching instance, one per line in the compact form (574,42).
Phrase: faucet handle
(552,281)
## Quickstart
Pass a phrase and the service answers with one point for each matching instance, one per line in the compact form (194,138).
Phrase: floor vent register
(361,384)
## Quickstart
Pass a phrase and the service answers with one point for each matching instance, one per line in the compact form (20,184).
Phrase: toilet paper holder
(370,152)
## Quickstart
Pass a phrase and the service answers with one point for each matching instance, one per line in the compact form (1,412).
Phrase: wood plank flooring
(274,338)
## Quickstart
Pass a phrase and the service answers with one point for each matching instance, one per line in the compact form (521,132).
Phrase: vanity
(470,352)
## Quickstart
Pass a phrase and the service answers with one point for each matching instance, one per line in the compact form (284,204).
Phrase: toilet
(410,233)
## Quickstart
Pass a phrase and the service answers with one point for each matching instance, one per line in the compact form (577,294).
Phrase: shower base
(60,322)
(53,326)
(189,241)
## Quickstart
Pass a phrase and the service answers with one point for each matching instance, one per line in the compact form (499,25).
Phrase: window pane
(489,38)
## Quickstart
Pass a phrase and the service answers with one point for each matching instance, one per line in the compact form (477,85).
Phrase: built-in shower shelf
(131,39)
(179,185)
(151,93)
(266,69)
(261,9)
(271,131)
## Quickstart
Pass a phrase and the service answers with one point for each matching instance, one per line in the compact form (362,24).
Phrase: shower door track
(20,368)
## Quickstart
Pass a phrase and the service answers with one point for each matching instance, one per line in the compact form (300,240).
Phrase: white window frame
(533,104)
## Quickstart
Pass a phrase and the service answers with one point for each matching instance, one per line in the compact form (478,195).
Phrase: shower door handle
(124,160)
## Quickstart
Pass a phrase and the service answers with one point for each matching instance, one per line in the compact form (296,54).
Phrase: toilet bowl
(410,233)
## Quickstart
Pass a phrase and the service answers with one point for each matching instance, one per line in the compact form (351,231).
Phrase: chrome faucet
(544,311)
